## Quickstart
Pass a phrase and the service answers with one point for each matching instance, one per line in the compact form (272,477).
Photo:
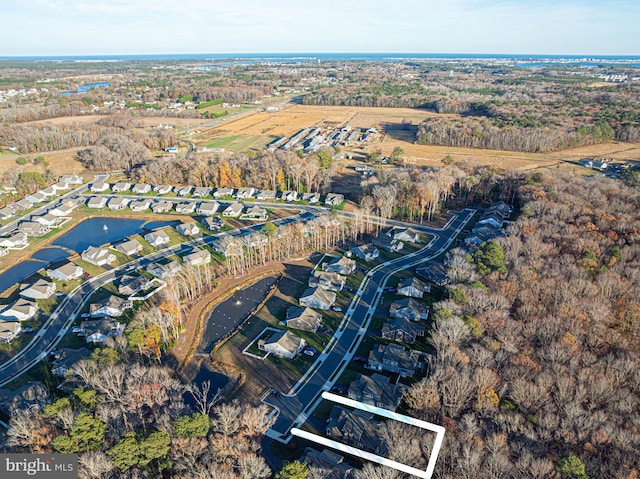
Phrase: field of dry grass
(60,163)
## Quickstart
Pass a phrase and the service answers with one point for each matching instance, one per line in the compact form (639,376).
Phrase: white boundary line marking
(426,474)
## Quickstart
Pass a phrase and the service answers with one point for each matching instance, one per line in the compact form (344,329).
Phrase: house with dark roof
(317,298)
(357,429)
(213,223)
(283,344)
(387,243)
(436,273)
(404,234)
(394,359)
(329,462)
(130,285)
(408,308)
(326,280)
(66,359)
(305,319)
(110,306)
(412,287)
(402,330)
(344,266)
(33,395)
(376,390)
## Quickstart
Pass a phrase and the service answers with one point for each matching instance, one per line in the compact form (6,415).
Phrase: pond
(20,272)
(84,88)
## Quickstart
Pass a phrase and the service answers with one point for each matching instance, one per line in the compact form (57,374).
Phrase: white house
(183,190)
(66,272)
(21,310)
(164,270)
(157,238)
(33,228)
(121,187)
(97,202)
(129,248)
(283,344)
(188,229)
(9,330)
(163,189)
(197,257)
(141,188)
(317,298)
(207,208)
(118,203)
(244,193)
(233,210)
(344,266)
(72,179)
(99,186)
(140,205)
(186,207)
(41,289)
(98,256)
(17,241)
(255,213)
(110,306)
(220,192)
(411,287)
(333,199)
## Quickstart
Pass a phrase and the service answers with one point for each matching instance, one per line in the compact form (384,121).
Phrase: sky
(120,27)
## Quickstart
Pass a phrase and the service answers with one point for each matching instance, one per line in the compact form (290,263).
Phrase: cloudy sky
(103,27)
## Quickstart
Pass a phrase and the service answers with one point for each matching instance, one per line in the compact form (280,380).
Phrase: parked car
(337,308)
(27,330)
(339,390)
(76,329)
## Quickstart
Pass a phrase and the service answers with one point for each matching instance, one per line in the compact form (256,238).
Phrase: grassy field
(238,143)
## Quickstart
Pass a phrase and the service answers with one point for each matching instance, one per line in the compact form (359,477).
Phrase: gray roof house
(161,206)
(190,228)
(72,179)
(41,289)
(207,208)
(129,248)
(367,252)
(233,210)
(118,203)
(34,394)
(213,223)
(255,213)
(99,186)
(183,190)
(110,306)
(140,205)
(186,207)
(344,266)
(436,273)
(387,243)
(197,257)
(283,344)
(412,287)
(121,186)
(21,310)
(163,189)
(220,192)
(66,272)
(33,228)
(130,285)
(334,199)
(376,390)
(244,193)
(393,358)
(66,359)
(305,319)
(326,280)
(157,238)
(164,270)
(201,191)
(317,298)
(408,308)
(312,198)
(98,256)
(402,330)
(267,195)
(9,330)
(404,234)
(99,330)
(329,462)
(97,202)
(356,428)
(141,188)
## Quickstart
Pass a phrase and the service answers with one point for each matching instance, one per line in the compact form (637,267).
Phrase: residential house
(502,207)
(129,248)
(213,223)
(161,206)
(207,208)
(130,285)
(23,204)
(404,234)
(66,272)
(227,245)
(37,197)
(66,360)
(494,219)
(98,256)
(305,319)
(394,359)
(186,207)
(312,198)
(164,270)
(99,330)
(21,310)
(222,192)
(121,187)
(17,241)
(333,199)
(255,240)
(183,190)
(376,390)
(48,192)
(41,289)
(408,308)
(267,195)
(189,228)
(197,257)
(163,189)
(97,202)
(157,238)
(367,252)
(65,209)
(326,280)
(344,266)
(357,429)
(329,462)
(244,193)
(412,287)
(255,213)
(30,397)
(233,210)
(9,330)
(118,203)
(201,191)
(33,228)
(289,196)
(47,219)
(140,205)
(7,212)
(283,344)
(60,186)
(113,306)
(72,179)
(387,243)
(141,188)
(402,330)
(99,186)
(318,298)
(436,273)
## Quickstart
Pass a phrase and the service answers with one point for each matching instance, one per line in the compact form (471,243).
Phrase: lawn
(238,143)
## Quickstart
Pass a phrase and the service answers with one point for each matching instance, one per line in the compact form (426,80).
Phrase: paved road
(295,407)
(61,320)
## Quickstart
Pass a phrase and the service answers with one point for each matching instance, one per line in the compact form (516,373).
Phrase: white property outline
(437,444)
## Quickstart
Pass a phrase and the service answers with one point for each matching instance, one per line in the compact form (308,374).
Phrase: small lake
(20,272)
(85,88)
(51,255)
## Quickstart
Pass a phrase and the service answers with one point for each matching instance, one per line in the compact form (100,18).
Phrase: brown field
(60,163)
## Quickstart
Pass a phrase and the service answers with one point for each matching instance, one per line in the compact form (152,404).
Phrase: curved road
(294,408)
